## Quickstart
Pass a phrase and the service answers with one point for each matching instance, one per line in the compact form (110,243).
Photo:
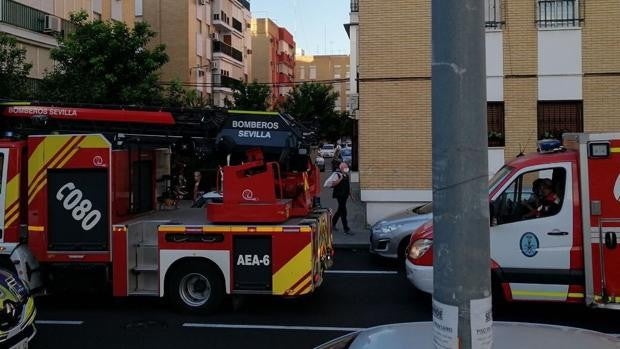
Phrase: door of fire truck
(600,170)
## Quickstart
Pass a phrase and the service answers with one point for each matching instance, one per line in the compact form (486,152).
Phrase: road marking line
(58,322)
(386,272)
(274,327)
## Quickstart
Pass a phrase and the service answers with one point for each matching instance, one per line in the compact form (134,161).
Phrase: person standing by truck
(341,192)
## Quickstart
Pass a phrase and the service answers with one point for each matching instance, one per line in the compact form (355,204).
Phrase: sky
(317,25)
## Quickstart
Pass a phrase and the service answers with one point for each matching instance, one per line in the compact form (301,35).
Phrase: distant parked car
(320,162)
(327,151)
(389,237)
(346,155)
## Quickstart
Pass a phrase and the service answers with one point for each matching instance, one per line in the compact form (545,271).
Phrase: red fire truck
(563,250)
(78,203)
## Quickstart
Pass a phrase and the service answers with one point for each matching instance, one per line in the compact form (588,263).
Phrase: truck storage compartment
(252,263)
(77,209)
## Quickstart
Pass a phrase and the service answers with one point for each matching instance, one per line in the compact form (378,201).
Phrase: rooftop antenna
(523,147)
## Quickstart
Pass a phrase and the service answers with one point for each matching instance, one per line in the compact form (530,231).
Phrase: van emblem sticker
(529,244)
(617,188)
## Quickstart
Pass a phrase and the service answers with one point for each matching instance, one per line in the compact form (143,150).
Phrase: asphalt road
(359,292)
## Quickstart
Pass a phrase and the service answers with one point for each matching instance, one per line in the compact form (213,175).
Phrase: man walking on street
(342,191)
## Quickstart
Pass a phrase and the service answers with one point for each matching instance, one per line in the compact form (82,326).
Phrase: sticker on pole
(445,326)
(481,319)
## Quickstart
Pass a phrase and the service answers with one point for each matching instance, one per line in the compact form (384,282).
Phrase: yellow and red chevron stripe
(295,277)
(11,213)
(52,152)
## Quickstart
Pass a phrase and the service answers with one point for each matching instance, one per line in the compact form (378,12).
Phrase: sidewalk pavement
(356,215)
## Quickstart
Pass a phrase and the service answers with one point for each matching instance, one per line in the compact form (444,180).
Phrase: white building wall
(495,66)
(559,64)
(117,10)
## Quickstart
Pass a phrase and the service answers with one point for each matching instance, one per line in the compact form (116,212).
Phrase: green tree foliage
(106,62)
(252,96)
(314,104)
(13,69)
(175,95)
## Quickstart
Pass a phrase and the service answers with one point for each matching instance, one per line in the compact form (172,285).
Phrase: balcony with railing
(559,13)
(237,25)
(493,14)
(224,82)
(286,59)
(355,6)
(221,47)
(29,18)
(245,4)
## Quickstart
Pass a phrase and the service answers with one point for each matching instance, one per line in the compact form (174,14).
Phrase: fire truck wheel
(195,286)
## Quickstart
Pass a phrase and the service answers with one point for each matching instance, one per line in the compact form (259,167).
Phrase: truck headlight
(419,248)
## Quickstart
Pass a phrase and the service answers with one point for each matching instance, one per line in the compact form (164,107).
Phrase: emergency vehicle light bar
(550,146)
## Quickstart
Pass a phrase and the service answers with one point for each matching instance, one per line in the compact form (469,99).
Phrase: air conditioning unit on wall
(52,24)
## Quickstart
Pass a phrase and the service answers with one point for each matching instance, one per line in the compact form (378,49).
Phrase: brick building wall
(545,65)
(601,66)
(520,72)
(395,95)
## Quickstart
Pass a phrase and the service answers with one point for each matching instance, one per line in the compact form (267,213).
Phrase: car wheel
(195,286)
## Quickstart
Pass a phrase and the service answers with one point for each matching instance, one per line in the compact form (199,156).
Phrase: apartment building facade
(208,42)
(273,57)
(185,28)
(551,67)
(326,69)
(36,23)
(232,46)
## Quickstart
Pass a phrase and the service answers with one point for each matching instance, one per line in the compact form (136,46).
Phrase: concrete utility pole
(462,288)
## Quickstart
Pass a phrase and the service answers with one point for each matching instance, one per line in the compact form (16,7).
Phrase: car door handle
(557,233)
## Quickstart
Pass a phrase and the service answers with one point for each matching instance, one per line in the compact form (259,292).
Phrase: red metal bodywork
(258,192)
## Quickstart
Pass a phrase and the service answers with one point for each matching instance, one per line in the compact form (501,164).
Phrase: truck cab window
(532,195)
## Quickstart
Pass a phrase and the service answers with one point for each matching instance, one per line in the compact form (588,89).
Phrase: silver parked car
(389,237)
(506,335)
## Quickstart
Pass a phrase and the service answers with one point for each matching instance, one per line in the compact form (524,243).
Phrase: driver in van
(548,202)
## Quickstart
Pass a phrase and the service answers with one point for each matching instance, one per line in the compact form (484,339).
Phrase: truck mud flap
(252,258)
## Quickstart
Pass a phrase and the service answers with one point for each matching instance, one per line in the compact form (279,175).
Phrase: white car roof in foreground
(506,335)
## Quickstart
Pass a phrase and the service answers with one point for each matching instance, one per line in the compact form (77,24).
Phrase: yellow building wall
(601,66)
(395,95)
(169,18)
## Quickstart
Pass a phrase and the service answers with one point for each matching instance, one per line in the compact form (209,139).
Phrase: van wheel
(195,286)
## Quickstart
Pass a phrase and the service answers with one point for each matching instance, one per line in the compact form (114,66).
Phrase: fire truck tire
(195,286)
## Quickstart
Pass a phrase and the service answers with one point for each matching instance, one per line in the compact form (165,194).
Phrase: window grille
(558,117)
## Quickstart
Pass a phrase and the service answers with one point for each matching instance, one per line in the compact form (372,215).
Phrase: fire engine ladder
(198,124)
